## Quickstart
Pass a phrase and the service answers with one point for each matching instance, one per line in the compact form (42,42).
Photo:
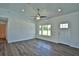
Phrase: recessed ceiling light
(59,10)
(22,10)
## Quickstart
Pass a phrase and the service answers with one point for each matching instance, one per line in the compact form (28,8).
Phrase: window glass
(64,25)
(45,30)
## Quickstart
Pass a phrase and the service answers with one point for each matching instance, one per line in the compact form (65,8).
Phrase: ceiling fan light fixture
(38,18)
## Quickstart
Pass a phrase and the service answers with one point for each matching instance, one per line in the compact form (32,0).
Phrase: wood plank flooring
(37,47)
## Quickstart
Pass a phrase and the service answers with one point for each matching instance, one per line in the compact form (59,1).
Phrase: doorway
(3,34)
(64,33)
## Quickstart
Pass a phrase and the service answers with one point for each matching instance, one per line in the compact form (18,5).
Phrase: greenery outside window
(45,30)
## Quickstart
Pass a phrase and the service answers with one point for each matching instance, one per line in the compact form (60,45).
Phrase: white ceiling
(48,9)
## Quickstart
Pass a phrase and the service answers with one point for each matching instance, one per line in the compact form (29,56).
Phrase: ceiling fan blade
(33,16)
(43,16)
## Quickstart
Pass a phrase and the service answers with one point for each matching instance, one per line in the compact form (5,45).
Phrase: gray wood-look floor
(37,47)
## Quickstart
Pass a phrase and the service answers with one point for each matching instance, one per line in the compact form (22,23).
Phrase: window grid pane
(45,30)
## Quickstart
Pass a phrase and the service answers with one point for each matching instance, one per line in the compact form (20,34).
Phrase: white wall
(73,20)
(19,28)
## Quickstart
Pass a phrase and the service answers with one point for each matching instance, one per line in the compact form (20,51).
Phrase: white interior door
(64,36)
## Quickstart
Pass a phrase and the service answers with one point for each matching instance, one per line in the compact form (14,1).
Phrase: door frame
(4,19)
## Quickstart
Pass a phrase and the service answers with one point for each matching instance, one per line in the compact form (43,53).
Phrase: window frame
(64,25)
(41,29)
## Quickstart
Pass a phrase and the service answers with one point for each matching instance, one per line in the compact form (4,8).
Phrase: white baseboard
(20,40)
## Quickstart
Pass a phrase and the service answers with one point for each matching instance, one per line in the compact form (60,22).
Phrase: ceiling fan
(38,16)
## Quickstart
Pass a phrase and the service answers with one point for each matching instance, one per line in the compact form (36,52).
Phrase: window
(45,30)
(64,25)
